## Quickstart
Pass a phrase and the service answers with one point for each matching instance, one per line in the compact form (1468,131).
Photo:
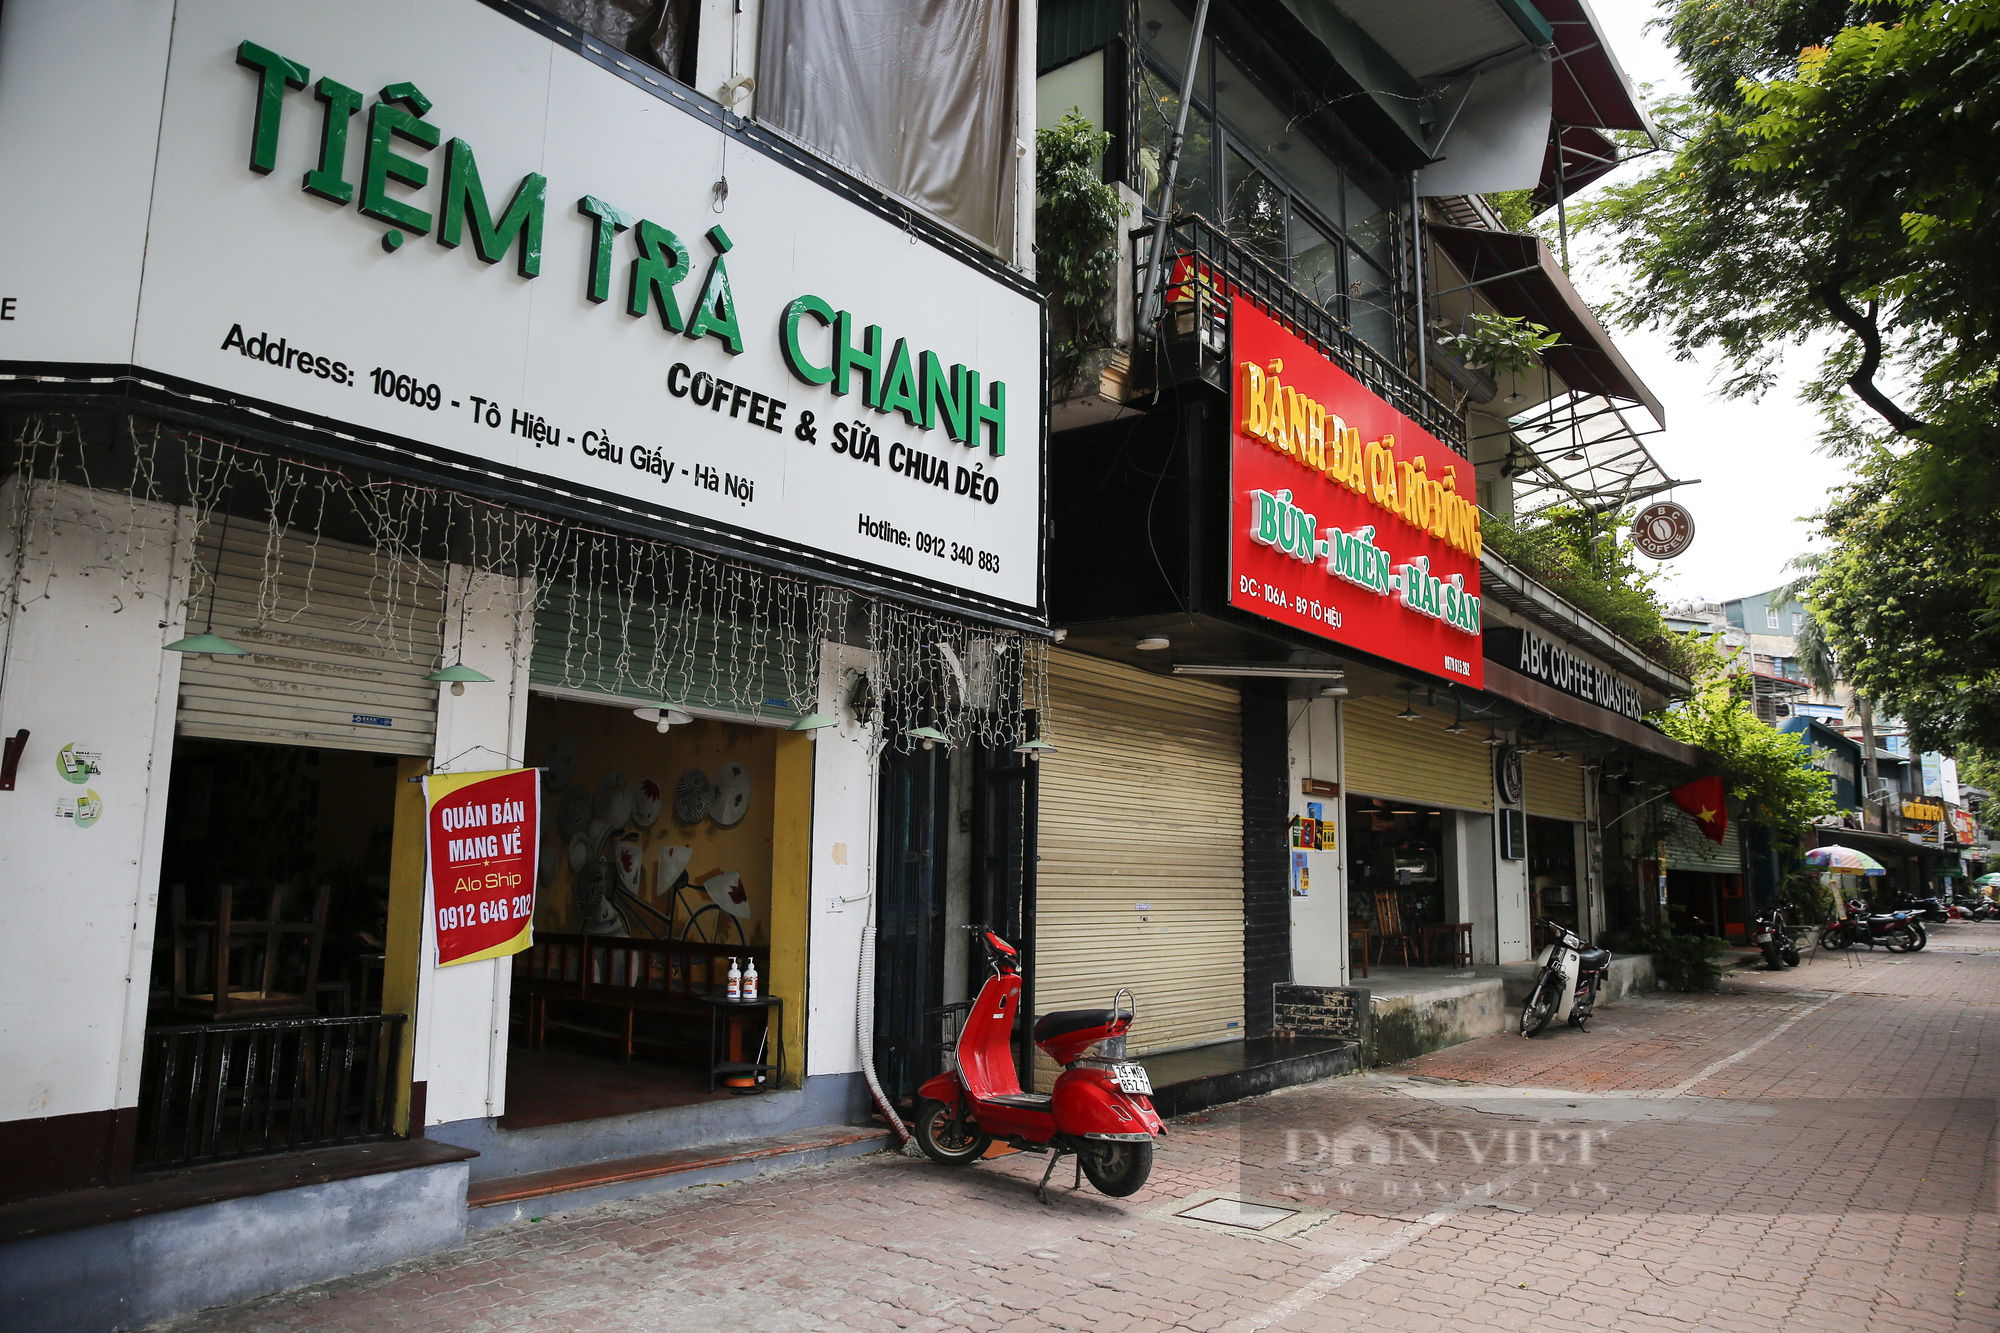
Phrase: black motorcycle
(1893,932)
(1774,937)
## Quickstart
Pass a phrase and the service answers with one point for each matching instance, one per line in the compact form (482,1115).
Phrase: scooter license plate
(1132,1079)
(1763,937)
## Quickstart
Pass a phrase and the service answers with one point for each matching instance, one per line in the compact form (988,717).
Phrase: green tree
(1903,597)
(1836,177)
(1769,770)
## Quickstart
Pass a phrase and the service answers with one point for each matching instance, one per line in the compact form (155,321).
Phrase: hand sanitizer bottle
(735,981)
(750,981)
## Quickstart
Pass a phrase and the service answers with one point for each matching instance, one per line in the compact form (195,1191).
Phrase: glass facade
(1328,224)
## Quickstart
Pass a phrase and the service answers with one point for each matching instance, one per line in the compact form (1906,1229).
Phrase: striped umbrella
(1988,881)
(1844,861)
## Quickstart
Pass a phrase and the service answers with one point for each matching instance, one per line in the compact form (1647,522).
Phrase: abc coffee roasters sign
(1349,521)
(430,228)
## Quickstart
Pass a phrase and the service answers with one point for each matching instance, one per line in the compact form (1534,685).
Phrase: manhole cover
(1227,1213)
(1238,1213)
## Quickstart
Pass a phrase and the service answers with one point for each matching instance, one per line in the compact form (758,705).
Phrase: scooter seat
(1593,960)
(1065,1021)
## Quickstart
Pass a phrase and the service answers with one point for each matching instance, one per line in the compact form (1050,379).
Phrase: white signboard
(436,226)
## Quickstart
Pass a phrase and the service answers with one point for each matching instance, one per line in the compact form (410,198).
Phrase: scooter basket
(950,1020)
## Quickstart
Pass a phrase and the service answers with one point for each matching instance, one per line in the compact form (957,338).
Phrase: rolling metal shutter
(1419,761)
(337,655)
(1688,848)
(1142,805)
(1552,789)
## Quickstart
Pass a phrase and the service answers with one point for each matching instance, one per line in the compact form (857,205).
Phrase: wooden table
(725,1020)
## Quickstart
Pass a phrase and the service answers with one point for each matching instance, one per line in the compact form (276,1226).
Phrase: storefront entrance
(1554,888)
(265,1025)
(1395,865)
(655,877)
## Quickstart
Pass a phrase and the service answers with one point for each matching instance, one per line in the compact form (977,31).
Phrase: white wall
(81,663)
(1479,837)
(1511,892)
(1319,921)
(91,122)
(461,1033)
(843,881)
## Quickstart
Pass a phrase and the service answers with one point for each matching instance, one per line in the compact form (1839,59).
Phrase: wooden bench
(623,977)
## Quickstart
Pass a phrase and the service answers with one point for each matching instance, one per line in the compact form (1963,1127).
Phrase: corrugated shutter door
(324,667)
(1688,848)
(1143,804)
(1419,761)
(1551,788)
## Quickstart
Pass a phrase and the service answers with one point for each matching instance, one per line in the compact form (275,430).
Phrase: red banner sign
(480,853)
(1348,519)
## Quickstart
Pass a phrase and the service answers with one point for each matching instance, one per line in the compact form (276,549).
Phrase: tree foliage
(1835,177)
(1902,596)
(1076,220)
(1578,557)
(1770,771)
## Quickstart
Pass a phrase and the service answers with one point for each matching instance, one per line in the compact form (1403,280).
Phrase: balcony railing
(213,1091)
(1203,270)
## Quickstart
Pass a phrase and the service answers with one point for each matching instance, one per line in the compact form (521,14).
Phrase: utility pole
(1871,772)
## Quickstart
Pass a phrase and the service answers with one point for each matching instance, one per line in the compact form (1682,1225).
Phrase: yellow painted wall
(406,920)
(610,738)
(791,892)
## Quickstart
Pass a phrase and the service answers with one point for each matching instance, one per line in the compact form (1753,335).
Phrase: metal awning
(1519,275)
(1439,40)
(1586,444)
(1586,155)
(1586,450)
(1591,88)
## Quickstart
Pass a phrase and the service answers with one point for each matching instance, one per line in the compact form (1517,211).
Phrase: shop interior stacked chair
(246,967)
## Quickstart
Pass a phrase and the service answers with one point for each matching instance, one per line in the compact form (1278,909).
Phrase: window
(1798,621)
(1771,617)
(1282,194)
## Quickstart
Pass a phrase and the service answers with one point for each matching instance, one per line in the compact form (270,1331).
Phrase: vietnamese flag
(1702,798)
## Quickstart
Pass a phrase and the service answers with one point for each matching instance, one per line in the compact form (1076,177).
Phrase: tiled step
(497,1201)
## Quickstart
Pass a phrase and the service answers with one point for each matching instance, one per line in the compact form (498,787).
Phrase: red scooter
(1100,1111)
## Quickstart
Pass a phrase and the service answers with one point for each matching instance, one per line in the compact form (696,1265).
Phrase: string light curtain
(607,612)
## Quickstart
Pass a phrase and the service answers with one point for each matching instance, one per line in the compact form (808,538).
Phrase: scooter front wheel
(948,1144)
(1118,1169)
(1539,1009)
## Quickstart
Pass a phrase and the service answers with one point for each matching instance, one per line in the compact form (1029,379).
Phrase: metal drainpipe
(1170,170)
(1417,276)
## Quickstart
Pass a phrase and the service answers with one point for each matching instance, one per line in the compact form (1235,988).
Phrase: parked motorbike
(1774,937)
(1985,910)
(1930,909)
(1100,1111)
(1893,932)
(1572,977)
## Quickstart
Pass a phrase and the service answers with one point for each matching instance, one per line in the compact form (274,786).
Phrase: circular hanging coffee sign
(1663,530)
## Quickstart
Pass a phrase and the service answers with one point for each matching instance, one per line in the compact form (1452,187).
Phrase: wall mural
(624,853)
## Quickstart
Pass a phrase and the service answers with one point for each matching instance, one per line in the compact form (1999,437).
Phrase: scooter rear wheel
(1118,1169)
(942,1143)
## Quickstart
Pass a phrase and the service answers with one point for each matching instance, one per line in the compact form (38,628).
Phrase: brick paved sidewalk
(1646,1175)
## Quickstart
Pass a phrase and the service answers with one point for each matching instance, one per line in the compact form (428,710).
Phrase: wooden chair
(1357,933)
(228,967)
(1389,924)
